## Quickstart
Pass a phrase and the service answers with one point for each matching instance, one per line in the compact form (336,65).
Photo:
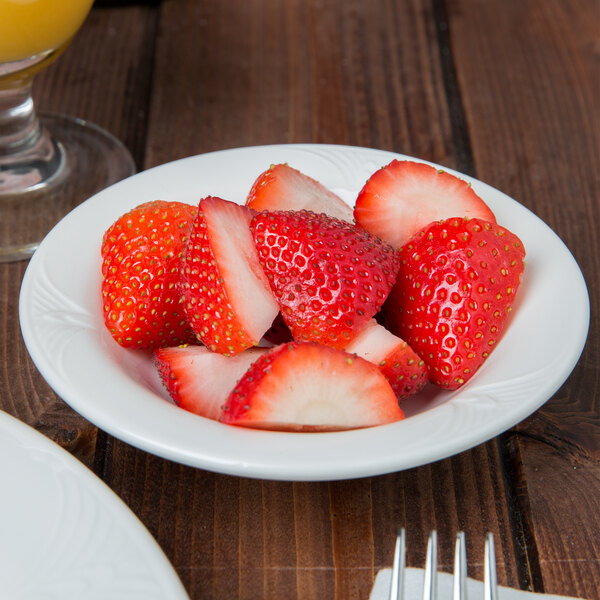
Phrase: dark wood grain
(506,92)
(239,73)
(249,538)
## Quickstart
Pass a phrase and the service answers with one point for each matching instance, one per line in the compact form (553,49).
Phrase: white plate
(65,534)
(117,389)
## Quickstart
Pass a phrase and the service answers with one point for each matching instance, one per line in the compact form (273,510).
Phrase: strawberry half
(282,187)
(200,380)
(141,258)
(403,197)
(398,362)
(455,288)
(309,387)
(328,276)
(226,295)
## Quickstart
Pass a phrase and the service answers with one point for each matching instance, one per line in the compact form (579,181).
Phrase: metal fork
(460,568)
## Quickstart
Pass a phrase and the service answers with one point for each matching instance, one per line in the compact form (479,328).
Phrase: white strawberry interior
(406,204)
(206,378)
(320,200)
(325,389)
(374,342)
(299,191)
(244,280)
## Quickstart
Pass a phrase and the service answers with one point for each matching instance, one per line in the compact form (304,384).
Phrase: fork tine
(430,583)
(397,587)
(460,568)
(489,578)
(431,565)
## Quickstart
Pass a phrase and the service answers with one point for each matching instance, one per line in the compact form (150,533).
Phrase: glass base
(36,193)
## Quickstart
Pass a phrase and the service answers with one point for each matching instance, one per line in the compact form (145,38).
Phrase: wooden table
(504,91)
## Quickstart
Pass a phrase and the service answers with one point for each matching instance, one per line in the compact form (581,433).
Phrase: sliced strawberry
(328,276)
(309,387)
(404,196)
(400,364)
(454,291)
(282,187)
(200,380)
(141,258)
(226,295)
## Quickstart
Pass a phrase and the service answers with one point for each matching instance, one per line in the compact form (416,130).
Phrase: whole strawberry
(328,276)
(456,285)
(141,258)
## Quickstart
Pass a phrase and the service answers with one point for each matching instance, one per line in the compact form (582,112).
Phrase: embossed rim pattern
(117,389)
(66,534)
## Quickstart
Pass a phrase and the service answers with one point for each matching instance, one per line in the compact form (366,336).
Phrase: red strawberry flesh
(456,286)
(329,277)
(141,258)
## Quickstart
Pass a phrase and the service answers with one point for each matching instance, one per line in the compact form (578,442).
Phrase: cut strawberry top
(328,276)
(309,387)
(282,187)
(403,197)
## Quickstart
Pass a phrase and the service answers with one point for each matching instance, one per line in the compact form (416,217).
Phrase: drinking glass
(48,163)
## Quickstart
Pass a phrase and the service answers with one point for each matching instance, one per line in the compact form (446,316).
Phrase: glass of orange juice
(48,163)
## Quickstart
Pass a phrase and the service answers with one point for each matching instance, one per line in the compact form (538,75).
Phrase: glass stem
(29,156)
(19,126)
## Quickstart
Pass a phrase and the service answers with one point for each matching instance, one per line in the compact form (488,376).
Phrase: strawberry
(303,386)
(282,187)
(328,276)
(200,380)
(398,362)
(404,196)
(226,294)
(141,257)
(455,288)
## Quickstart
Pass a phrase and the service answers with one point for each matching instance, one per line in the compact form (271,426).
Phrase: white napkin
(414,588)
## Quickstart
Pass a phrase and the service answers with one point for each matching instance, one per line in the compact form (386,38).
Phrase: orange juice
(32,27)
